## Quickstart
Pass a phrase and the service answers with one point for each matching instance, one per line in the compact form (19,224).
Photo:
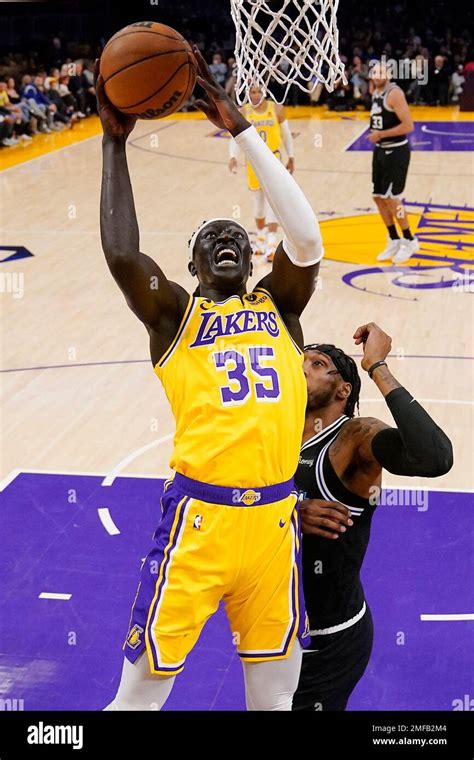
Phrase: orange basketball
(149,70)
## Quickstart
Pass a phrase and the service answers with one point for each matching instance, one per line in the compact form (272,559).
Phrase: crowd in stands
(45,100)
(53,87)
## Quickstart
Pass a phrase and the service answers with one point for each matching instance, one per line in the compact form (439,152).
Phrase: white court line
(467,616)
(439,489)
(153,476)
(429,131)
(107,522)
(50,595)
(354,139)
(9,479)
(109,479)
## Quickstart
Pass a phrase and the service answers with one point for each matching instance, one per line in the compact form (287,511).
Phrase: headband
(192,242)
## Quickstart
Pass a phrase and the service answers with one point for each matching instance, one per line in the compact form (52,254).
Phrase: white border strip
(109,479)
(51,595)
(354,139)
(106,520)
(151,476)
(466,616)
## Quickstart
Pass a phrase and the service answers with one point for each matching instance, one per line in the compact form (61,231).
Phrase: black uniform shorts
(389,170)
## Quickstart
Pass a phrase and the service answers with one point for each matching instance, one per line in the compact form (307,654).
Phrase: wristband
(371,369)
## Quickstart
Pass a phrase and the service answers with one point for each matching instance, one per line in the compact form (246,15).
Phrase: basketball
(149,70)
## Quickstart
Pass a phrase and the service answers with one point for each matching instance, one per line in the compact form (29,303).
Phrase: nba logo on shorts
(197,522)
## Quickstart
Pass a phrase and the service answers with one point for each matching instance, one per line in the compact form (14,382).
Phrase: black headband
(339,358)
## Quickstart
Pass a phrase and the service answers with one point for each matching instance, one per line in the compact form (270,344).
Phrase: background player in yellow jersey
(231,365)
(270,121)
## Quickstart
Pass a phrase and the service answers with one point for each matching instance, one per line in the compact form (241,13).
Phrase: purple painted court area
(67,654)
(431,135)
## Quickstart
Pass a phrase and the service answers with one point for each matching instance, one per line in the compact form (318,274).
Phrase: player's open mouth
(226,257)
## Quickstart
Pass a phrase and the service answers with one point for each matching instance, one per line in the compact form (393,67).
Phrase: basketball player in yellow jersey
(231,365)
(270,121)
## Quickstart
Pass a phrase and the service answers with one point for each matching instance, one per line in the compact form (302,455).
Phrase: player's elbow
(439,460)
(310,243)
(445,458)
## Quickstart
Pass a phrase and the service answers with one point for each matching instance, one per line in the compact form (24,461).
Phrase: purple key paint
(57,654)
(431,136)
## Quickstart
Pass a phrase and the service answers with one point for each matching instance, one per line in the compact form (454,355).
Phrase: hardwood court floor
(78,389)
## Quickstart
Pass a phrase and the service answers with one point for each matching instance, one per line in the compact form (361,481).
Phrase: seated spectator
(417,89)
(341,99)
(89,87)
(20,127)
(231,77)
(39,104)
(16,99)
(55,104)
(457,82)
(7,123)
(358,74)
(439,82)
(218,68)
(76,86)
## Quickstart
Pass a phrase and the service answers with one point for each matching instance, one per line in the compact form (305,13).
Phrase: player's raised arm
(296,262)
(417,446)
(151,296)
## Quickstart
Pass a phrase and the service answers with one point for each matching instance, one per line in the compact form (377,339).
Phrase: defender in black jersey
(341,462)
(390,123)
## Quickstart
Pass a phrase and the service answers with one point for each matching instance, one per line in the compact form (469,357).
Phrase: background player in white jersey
(390,123)
(269,119)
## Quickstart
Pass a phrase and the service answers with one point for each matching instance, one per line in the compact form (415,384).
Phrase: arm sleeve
(418,446)
(287,138)
(302,242)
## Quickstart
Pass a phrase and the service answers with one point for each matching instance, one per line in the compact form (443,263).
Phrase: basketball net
(285,42)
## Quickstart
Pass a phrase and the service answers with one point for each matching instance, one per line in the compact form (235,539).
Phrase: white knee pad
(271,685)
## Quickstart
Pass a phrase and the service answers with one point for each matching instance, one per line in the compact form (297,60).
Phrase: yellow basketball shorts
(216,543)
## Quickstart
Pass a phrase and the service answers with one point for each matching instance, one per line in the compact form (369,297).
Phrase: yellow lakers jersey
(268,127)
(234,379)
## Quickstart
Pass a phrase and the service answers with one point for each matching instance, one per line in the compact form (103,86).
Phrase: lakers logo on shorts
(306,625)
(250,497)
(133,638)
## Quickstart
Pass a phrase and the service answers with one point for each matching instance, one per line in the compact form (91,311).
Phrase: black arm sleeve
(418,446)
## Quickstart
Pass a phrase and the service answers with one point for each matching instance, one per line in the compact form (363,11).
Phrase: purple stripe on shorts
(149,572)
(233,497)
(171,548)
(303,628)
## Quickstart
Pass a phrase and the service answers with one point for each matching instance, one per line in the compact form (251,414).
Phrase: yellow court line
(43,144)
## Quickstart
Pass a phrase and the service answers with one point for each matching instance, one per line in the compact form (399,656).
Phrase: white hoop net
(285,42)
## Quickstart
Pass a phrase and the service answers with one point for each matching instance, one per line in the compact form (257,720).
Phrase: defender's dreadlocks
(346,367)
